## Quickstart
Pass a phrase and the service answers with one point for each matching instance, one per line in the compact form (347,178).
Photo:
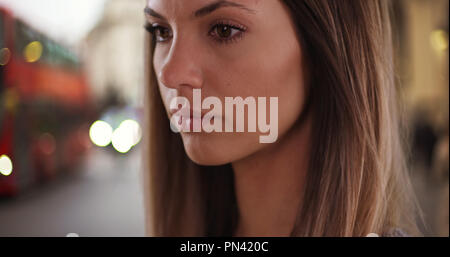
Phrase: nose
(181,67)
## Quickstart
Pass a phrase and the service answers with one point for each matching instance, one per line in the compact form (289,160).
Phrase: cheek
(291,103)
(288,85)
(279,74)
(166,93)
(157,60)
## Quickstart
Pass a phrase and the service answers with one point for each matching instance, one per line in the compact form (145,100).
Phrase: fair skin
(269,185)
(239,48)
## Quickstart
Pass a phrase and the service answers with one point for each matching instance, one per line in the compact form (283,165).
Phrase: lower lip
(188,125)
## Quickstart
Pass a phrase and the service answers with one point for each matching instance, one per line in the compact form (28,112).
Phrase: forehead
(178,8)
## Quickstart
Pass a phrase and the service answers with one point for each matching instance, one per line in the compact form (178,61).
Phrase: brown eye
(224,31)
(162,34)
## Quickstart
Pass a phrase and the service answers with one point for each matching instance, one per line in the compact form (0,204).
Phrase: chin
(205,149)
(214,149)
(203,160)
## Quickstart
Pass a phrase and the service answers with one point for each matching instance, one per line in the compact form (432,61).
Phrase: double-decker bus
(44,106)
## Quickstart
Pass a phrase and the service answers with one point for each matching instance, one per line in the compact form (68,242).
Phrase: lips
(193,113)
(195,117)
(187,124)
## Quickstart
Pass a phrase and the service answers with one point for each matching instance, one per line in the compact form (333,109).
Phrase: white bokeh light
(6,166)
(132,127)
(101,133)
(127,135)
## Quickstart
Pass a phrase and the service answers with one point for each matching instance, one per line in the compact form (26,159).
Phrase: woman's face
(236,48)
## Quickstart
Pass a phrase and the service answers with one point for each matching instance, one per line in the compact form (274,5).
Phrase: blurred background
(71,87)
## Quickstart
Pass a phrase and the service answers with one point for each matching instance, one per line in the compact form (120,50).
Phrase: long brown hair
(357,181)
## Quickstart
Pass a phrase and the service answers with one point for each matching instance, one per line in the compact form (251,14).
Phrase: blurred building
(422,47)
(425,58)
(114,52)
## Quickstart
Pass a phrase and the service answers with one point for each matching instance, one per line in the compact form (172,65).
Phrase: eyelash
(239,34)
(153,27)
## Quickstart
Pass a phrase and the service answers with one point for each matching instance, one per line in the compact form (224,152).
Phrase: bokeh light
(439,40)
(101,133)
(127,135)
(5,55)
(6,166)
(33,51)
(132,127)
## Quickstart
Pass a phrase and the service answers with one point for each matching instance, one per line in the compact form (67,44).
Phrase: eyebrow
(151,12)
(219,4)
(204,10)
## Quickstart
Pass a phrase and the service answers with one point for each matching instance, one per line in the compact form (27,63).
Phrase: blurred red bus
(44,106)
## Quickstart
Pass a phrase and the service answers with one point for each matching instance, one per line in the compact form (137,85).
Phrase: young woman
(336,168)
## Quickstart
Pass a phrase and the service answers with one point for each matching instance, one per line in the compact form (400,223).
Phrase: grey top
(396,232)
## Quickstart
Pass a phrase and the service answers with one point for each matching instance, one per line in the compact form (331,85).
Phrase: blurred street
(103,199)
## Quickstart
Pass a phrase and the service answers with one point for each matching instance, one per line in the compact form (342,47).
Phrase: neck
(269,185)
